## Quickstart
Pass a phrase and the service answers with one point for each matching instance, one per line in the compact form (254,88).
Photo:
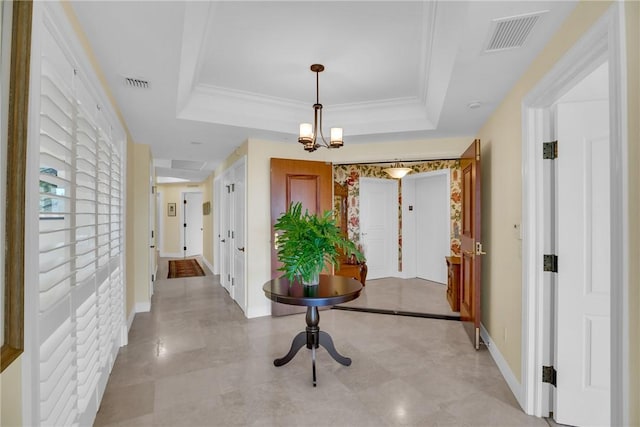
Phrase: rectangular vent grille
(188,164)
(137,83)
(511,32)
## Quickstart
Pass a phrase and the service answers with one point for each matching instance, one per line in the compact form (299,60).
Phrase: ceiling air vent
(137,83)
(187,164)
(511,32)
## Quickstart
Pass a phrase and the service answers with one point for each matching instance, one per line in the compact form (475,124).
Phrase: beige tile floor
(194,360)
(415,295)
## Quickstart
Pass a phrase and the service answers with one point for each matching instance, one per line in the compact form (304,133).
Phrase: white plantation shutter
(80,294)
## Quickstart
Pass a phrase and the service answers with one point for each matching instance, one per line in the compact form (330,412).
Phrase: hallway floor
(195,360)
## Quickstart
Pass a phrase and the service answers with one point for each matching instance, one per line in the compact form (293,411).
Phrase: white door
(583,279)
(225,233)
(432,212)
(192,215)
(152,232)
(379,226)
(238,246)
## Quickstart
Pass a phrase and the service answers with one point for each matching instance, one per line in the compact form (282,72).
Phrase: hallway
(195,360)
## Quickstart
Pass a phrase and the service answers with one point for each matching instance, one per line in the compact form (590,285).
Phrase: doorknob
(223,240)
(241,249)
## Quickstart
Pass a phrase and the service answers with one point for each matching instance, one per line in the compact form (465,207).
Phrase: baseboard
(209,266)
(130,319)
(503,366)
(261,312)
(143,307)
(171,255)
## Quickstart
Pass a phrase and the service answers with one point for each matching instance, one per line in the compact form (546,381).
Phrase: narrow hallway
(195,360)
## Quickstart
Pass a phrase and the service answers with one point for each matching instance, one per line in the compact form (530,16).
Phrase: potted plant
(308,242)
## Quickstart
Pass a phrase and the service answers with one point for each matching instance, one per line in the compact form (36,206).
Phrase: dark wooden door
(471,247)
(307,182)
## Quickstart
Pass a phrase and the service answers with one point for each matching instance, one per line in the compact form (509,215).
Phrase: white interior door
(192,203)
(432,212)
(238,246)
(225,231)
(379,226)
(583,245)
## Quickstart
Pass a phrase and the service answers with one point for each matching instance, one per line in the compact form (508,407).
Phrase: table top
(331,290)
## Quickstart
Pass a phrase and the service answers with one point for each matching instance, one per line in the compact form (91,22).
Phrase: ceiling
(220,73)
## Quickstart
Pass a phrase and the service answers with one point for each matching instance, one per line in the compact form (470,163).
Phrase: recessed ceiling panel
(266,48)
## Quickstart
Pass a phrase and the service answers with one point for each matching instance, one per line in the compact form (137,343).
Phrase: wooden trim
(16,173)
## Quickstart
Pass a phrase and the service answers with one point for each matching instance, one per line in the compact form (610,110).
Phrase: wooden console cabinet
(453,282)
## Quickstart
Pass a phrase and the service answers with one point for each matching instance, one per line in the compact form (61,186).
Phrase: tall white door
(432,212)
(238,246)
(192,215)
(583,279)
(225,233)
(379,226)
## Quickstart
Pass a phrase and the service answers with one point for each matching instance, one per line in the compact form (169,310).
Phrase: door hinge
(153,278)
(550,150)
(549,375)
(185,248)
(550,263)
(228,277)
(185,225)
(185,201)
(233,281)
(233,188)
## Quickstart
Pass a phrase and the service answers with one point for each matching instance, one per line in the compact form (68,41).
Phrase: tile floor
(415,295)
(194,360)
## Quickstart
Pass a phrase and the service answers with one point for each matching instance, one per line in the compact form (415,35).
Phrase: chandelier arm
(324,141)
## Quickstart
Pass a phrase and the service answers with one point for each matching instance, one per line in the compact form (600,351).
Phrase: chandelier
(397,171)
(308,133)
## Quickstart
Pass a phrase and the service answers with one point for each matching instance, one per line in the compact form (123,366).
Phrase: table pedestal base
(313,337)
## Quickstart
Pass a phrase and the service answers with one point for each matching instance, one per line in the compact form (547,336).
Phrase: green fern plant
(308,242)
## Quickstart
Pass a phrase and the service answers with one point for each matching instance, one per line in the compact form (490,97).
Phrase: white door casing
(379,226)
(192,216)
(216,212)
(583,278)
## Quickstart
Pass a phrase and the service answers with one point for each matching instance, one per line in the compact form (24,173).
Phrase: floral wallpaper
(350,175)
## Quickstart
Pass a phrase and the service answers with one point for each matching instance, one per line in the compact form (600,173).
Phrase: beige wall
(207,221)
(172,225)
(138,260)
(633,85)
(11,395)
(130,294)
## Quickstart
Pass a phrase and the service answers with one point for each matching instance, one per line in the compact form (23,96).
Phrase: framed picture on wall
(171,209)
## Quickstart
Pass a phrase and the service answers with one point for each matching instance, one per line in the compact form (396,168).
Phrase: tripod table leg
(325,340)
(298,342)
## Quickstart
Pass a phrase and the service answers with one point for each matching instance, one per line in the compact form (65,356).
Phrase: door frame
(605,41)
(216,197)
(409,240)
